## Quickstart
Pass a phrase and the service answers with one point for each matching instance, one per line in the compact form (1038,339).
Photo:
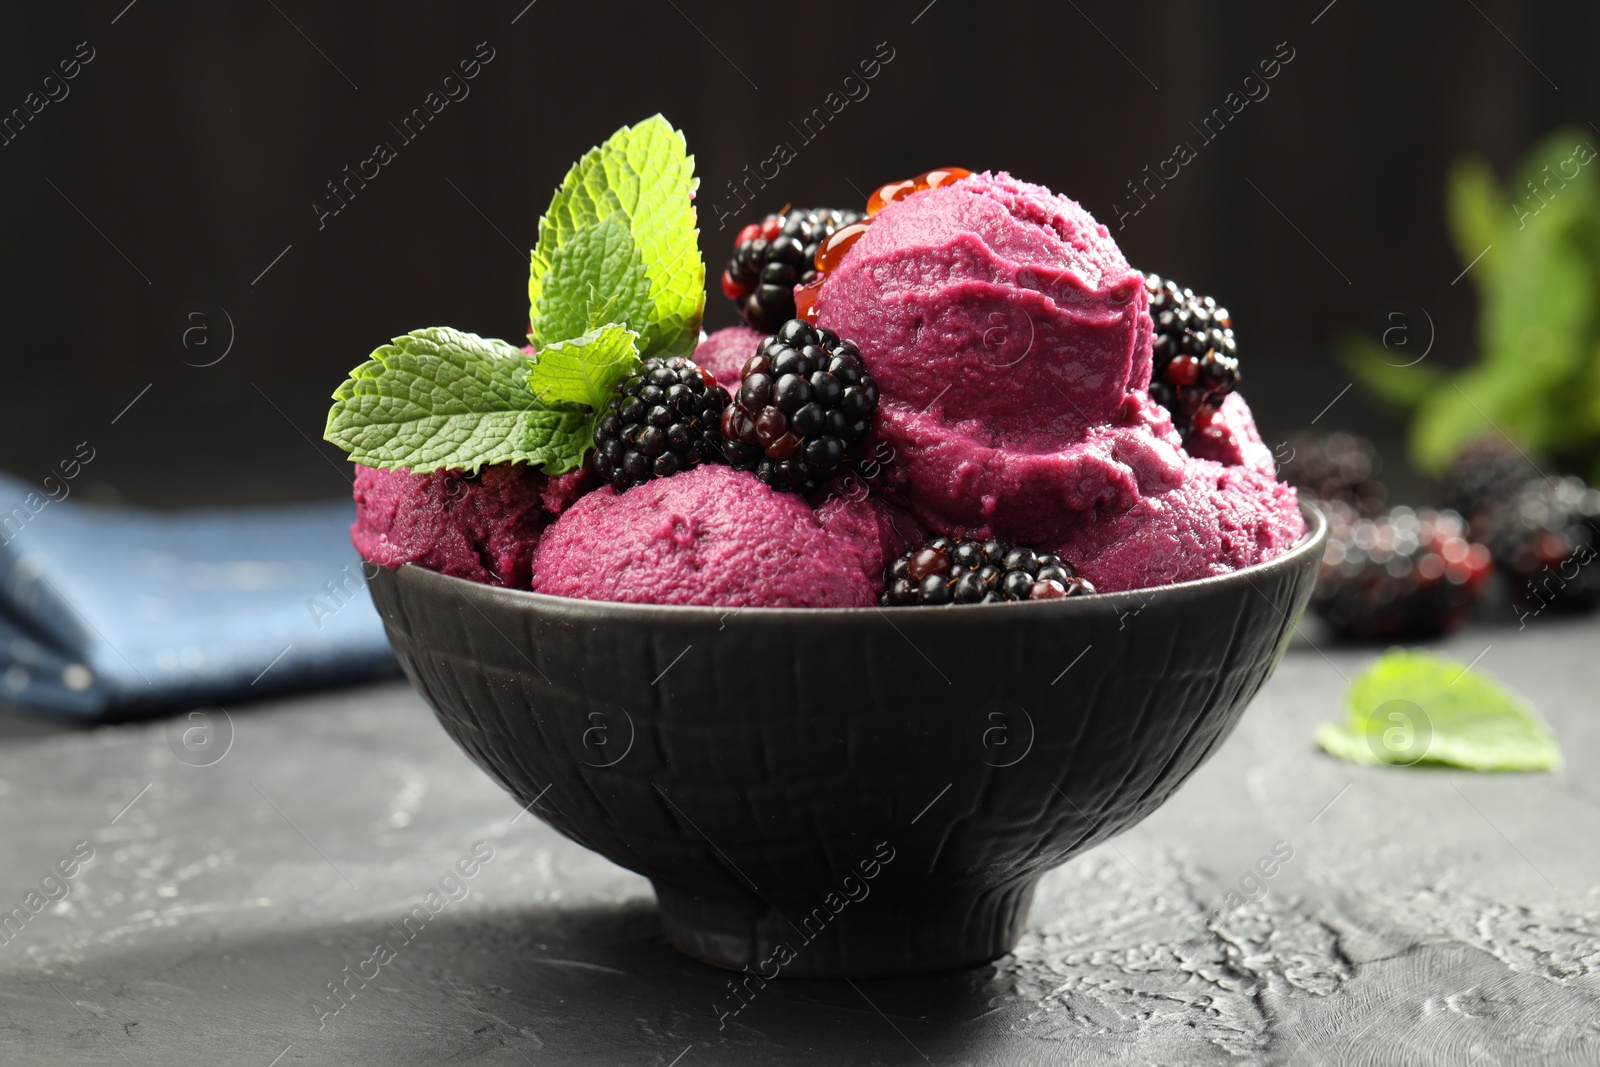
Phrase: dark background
(190,151)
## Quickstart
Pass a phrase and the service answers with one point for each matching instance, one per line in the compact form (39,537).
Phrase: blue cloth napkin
(120,612)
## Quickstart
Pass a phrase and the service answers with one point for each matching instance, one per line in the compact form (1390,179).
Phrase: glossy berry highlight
(952,570)
(805,404)
(660,420)
(1194,356)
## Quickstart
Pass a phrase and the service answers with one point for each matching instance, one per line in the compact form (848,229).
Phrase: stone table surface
(1424,916)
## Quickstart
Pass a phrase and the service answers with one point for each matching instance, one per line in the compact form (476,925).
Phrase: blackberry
(1400,575)
(662,419)
(1335,466)
(950,570)
(805,403)
(1485,478)
(1194,359)
(773,256)
(1545,541)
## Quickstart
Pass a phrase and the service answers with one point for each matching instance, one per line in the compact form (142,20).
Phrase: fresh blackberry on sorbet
(773,256)
(1195,359)
(805,403)
(1400,575)
(1335,466)
(660,420)
(952,570)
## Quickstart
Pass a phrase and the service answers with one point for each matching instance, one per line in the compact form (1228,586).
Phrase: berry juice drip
(885,195)
(831,251)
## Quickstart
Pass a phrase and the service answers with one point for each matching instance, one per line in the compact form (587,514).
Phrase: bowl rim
(1312,541)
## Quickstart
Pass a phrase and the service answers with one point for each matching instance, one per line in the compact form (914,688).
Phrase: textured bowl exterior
(845,792)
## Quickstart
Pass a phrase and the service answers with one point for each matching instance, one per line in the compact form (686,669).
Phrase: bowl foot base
(840,937)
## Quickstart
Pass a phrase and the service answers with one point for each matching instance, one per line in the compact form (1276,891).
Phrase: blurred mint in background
(1534,249)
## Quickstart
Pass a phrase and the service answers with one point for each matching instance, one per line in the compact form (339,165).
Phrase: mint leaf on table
(440,399)
(585,369)
(1414,708)
(643,176)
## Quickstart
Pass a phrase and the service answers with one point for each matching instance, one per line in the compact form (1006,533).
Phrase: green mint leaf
(644,174)
(596,277)
(1528,245)
(1414,708)
(1475,206)
(585,369)
(439,399)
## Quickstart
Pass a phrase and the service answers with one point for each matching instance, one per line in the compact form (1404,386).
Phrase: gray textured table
(1425,916)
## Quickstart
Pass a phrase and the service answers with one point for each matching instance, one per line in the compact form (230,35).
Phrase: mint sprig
(585,369)
(616,277)
(596,277)
(640,181)
(439,399)
(1413,708)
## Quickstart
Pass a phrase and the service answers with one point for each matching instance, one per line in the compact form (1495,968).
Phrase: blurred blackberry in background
(1545,541)
(660,420)
(773,256)
(1336,466)
(1485,478)
(1195,359)
(1544,532)
(1400,575)
(950,570)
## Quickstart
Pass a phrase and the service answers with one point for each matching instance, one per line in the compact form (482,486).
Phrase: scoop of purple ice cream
(1006,332)
(1221,518)
(718,536)
(1011,343)
(1232,439)
(484,528)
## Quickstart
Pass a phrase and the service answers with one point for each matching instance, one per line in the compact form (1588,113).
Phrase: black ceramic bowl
(845,792)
